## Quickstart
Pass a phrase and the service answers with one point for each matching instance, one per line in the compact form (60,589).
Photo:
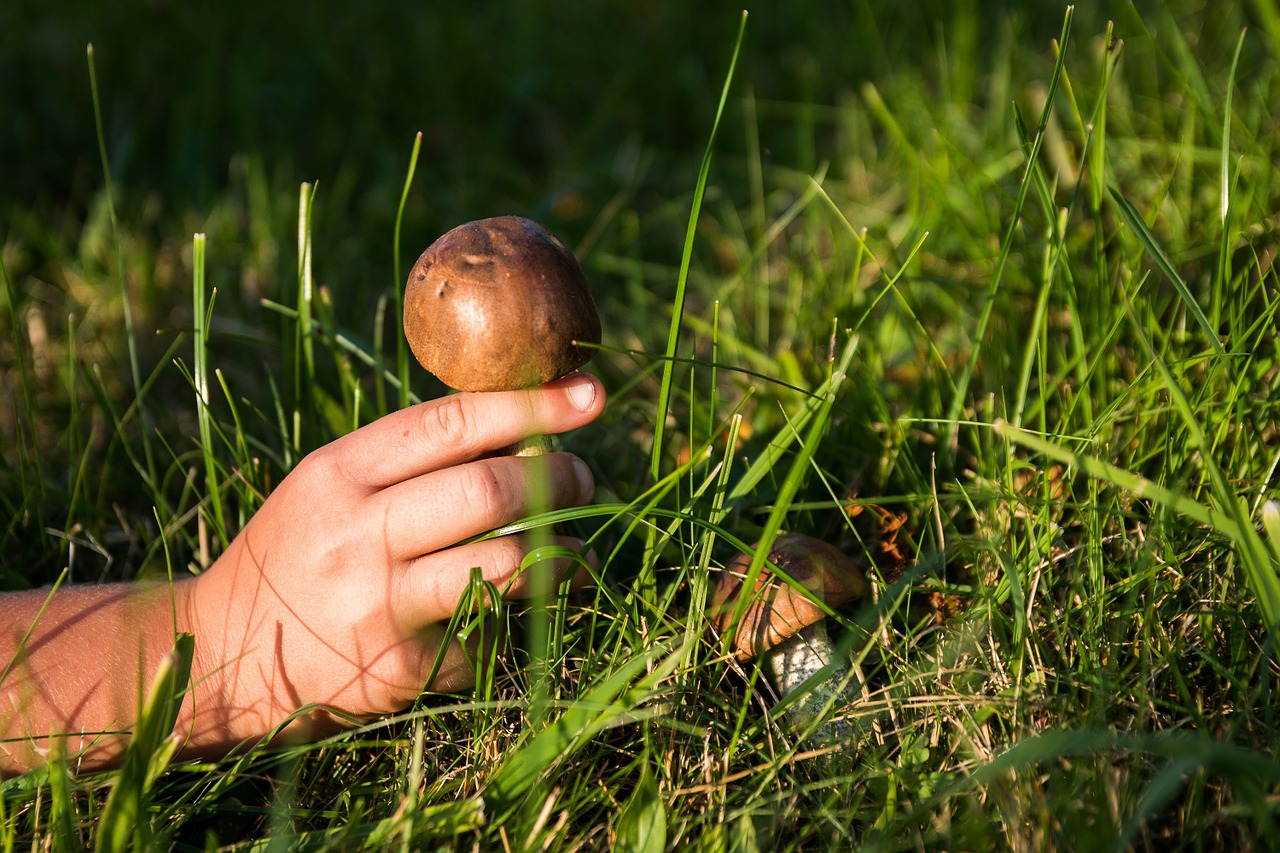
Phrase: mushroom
(786,627)
(499,304)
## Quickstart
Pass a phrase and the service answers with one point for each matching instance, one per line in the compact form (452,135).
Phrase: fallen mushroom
(787,628)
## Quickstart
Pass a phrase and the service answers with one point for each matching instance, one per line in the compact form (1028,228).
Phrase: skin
(336,593)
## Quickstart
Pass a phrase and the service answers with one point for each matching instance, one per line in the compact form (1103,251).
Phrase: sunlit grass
(1006,327)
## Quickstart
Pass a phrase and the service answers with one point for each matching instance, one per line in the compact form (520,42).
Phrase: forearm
(83,671)
(77,667)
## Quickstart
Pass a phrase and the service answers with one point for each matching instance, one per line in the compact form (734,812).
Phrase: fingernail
(586,483)
(582,393)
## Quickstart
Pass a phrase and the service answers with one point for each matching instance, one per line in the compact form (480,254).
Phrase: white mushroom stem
(796,660)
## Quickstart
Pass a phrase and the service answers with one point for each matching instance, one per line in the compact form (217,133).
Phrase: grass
(993,304)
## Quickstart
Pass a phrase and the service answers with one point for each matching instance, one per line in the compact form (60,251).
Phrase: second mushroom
(784,626)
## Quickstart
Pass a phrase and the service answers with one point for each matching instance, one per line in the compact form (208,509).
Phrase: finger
(439,509)
(434,584)
(461,427)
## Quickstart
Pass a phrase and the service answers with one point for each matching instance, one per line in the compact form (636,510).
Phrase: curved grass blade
(402,355)
(677,306)
(125,822)
(1134,220)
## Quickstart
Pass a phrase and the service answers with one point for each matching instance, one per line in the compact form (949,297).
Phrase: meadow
(984,296)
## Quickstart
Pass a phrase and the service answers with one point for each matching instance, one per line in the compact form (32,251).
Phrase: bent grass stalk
(647,583)
(202,312)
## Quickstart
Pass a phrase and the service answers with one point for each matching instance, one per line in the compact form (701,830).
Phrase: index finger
(462,427)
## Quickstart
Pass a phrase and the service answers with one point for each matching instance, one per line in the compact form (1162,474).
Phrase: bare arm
(336,592)
(77,673)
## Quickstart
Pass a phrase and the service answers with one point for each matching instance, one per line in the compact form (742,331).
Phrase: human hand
(338,590)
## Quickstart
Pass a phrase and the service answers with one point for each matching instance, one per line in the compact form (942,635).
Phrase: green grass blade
(135,371)
(642,823)
(791,483)
(1229,518)
(1135,484)
(1223,272)
(64,835)
(1271,523)
(1225,165)
(125,822)
(304,360)
(677,307)
(402,353)
(593,713)
(1139,227)
(1261,572)
(960,399)
(202,311)
(26,637)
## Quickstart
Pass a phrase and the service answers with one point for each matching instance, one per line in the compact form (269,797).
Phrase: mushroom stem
(534,445)
(797,659)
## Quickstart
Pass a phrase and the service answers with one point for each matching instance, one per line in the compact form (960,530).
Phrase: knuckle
(486,494)
(337,462)
(503,560)
(321,465)
(508,556)
(452,421)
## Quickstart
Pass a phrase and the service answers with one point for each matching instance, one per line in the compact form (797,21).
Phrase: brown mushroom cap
(777,611)
(498,304)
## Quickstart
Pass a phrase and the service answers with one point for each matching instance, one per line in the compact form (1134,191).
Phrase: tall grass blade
(135,371)
(1225,164)
(791,483)
(402,354)
(20,650)
(1139,227)
(63,835)
(677,306)
(202,311)
(958,402)
(304,360)
(1224,275)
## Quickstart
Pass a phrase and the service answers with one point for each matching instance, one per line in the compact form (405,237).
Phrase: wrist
(213,718)
(238,694)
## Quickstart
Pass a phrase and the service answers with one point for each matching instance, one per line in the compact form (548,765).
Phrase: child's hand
(338,590)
